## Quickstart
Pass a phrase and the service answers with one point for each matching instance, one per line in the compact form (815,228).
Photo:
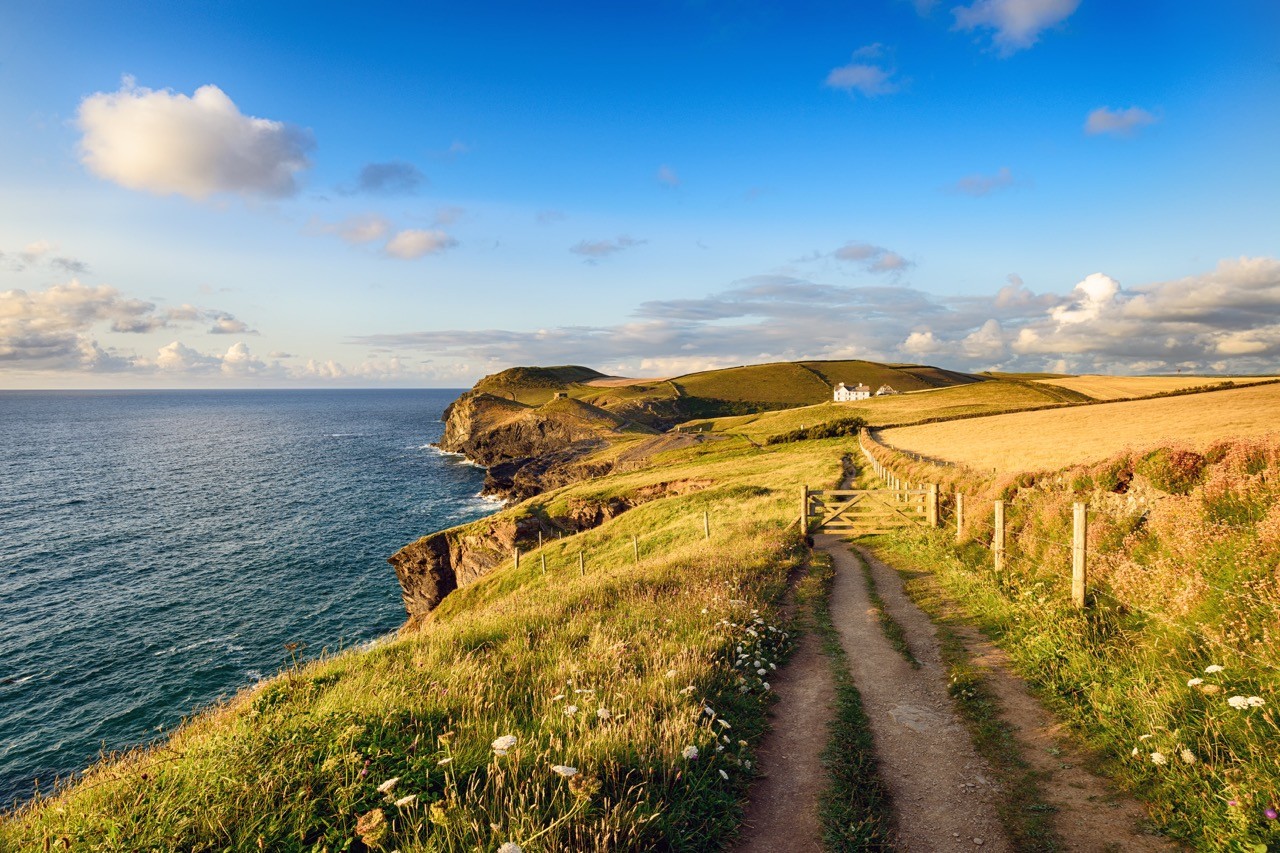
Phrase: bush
(1174,471)
(831,429)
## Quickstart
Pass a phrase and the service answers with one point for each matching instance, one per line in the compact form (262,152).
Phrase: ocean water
(158,550)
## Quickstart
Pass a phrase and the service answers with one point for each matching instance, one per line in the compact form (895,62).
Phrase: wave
(461,458)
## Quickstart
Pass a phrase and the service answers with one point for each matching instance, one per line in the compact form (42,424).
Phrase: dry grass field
(1125,387)
(1048,440)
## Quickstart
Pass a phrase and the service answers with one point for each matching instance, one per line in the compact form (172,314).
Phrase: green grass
(901,377)
(855,807)
(771,385)
(295,763)
(976,399)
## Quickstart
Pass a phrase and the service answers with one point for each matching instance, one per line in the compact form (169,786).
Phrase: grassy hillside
(1028,441)
(712,393)
(901,377)
(620,672)
(1173,670)
(959,401)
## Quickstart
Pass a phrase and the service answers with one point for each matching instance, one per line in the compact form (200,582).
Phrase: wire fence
(995,537)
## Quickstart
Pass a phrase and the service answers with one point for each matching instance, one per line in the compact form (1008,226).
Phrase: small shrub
(831,429)
(1174,471)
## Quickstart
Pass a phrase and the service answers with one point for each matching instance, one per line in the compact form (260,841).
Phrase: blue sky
(243,194)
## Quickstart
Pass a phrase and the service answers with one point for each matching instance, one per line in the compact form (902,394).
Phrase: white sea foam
(461,458)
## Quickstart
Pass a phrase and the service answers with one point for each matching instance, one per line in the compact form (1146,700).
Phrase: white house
(857,392)
(885,390)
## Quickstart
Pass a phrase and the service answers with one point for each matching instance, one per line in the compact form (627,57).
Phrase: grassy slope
(1029,441)
(716,392)
(1183,554)
(958,401)
(294,763)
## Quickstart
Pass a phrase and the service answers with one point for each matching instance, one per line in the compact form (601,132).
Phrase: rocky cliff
(435,565)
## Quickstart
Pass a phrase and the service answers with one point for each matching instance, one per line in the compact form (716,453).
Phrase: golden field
(1053,439)
(1126,387)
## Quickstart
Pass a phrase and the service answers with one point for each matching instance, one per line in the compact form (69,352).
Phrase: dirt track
(944,796)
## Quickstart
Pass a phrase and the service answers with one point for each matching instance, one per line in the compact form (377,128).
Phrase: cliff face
(436,565)
(528,449)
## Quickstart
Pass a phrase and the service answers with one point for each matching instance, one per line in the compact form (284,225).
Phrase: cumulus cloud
(394,178)
(667,176)
(1124,122)
(1221,320)
(980,185)
(356,230)
(1015,24)
(594,250)
(55,328)
(873,258)
(867,73)
(414,243)
(169,143)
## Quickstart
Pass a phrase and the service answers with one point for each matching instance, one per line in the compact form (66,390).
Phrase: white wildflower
(1135,752)
(1195,682)
(603,713)
(1256,702)
(1212,668)
(724,775)
(406,801)
(724,723)
(1188,757)
(1158,757)
(688,690)
(690,752)
(773,666)
(1238,702)
(557,697)
(719,747)
(570,710)
(503,744)
(746,765)
(742,743)
(671,673)
(762,671)
(706,709)
(385,787)
(510,847)
(765,685)
(564,770)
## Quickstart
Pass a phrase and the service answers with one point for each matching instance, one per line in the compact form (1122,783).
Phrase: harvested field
(1026,441)
(1125,387)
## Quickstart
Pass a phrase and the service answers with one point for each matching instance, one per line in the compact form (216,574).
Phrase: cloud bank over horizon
(1223,320)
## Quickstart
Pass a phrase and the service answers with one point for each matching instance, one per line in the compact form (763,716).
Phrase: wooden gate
(861,512)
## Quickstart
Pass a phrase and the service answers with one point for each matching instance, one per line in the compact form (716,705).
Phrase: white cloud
(1016,24)
(225,324)
(875,258)
(980,185)
(1227,319)
(414,243)
(667,175)
(864,74)
(593,250)
(1125,122)
(356,230)
(177,357)
(166,143)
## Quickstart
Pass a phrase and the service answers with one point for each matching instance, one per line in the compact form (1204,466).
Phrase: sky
(249,194)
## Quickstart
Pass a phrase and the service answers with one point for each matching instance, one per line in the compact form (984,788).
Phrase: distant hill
(729,391)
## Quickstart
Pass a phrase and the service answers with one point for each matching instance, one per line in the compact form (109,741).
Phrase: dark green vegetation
(846,427)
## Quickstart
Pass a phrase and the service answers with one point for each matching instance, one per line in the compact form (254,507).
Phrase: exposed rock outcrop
(435,565)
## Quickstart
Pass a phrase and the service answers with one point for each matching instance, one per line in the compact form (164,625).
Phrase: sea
(162,550)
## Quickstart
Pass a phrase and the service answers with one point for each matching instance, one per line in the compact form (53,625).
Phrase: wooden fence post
(544,562)
(931,505)
(582,564)
(1079,532)
(635,548)
(706,525)
(997,541)
(959,513)
(539,540)
(517,559)
(804,510)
